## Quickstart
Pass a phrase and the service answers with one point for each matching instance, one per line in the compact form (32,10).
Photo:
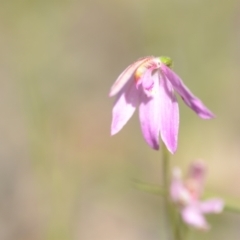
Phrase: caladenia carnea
(150,84)
(186,195)
(186,204)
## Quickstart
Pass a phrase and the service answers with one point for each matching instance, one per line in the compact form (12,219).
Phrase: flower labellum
(150,84)
(186,194)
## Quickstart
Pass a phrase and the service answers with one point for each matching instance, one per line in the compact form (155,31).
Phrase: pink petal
(212,206)
(126,75)
(169,114)
(196,174)
(147,81)
(149,114)
(124,107)
(176,187)
(197,170)
(193,216)
(193,102)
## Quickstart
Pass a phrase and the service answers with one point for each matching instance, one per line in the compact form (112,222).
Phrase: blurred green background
(61,174)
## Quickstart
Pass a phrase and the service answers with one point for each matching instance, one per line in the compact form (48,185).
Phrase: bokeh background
(61,174)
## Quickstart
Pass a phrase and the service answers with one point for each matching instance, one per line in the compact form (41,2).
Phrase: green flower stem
(178,224)
(172,228)
(148,187)
(232,208)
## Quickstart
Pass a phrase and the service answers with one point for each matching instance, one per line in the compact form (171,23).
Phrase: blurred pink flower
(186,194)
(150,83)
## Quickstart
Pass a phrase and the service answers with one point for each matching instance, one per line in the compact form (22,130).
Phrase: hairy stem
(166,185)
(172,218)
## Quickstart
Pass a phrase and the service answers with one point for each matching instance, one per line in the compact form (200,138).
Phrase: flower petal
(193,216)
(193,102)
(126,75)
(124,107)
(196,177)
(169,114)
(212,206)
(197,170)
(176,187)
(147,81)
(149,113)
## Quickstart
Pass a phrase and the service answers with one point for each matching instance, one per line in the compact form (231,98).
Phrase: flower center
(149,63)
(184,198)
(193,189)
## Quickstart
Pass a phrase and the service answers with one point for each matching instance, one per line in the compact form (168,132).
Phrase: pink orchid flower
(150,83)
(186,194)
